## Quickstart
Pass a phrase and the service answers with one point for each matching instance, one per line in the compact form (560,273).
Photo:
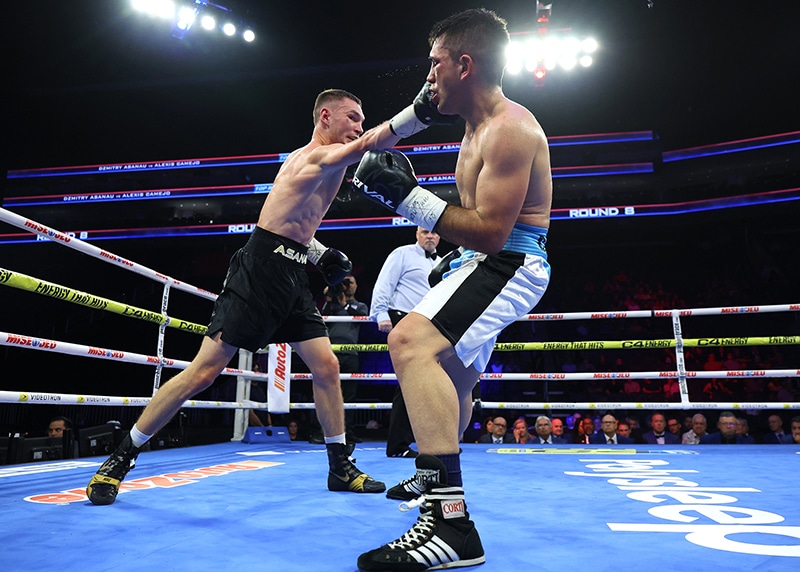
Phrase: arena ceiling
(91,82)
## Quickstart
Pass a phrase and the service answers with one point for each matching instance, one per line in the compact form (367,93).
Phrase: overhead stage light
(533,54)
(186,16)
(185,13)
(157,8)
(544,50)
(208,22)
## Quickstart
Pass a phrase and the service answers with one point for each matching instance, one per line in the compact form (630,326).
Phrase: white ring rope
(718,311)
(159,361)
(37,397)
(34,343)
(86,248)
(588,376)
(61,238)
(601,406)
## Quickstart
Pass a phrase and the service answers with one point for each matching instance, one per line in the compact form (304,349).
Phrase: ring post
(680,362)
(242,394)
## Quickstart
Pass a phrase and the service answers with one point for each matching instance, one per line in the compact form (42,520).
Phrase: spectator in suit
(743,430)
(699,428)
(658,434)
(498,435)
(608,433)
(544,432)
(775,434)
(624,430)
(726,434)
(674,426)
(687,423)
(558,428)
(584,430)
(794,438)
(635,427)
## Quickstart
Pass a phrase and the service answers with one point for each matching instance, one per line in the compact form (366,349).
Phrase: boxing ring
(265,505)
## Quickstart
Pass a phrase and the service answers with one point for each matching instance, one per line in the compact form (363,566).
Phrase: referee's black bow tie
(431,254)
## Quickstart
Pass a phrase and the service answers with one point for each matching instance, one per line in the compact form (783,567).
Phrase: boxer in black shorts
(265,297)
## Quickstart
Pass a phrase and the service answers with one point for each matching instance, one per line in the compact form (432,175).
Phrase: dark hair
(329,95)
(479,32)
(66,420)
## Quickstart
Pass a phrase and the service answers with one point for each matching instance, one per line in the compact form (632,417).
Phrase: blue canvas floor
(236,506)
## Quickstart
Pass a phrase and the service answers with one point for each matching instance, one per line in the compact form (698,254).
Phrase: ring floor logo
(678,503)
(167,480)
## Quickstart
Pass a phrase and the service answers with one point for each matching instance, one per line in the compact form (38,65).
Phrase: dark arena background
(676,187)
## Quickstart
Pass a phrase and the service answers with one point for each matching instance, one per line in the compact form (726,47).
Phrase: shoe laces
(414,484)
(118,465)
(406,506)
(350,470)
(408,481)
(417,534)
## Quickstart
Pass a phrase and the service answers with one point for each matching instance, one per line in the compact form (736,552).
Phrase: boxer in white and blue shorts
(482,294)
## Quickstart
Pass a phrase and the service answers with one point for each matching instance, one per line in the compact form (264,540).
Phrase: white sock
(138,438)
(336,439)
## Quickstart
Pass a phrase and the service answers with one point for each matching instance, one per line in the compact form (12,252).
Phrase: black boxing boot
(345,476)
(104,486)
(429,468)
(443,537)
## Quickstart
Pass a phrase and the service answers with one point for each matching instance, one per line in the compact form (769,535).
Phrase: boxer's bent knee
(326,369)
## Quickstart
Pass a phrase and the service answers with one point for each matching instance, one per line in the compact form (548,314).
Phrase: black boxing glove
(438,271)
(387,177)
(419,115)
(333,264)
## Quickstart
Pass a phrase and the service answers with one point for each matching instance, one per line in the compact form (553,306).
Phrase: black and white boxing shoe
(443,537)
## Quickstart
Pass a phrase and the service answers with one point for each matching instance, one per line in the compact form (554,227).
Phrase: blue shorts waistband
(527,239)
